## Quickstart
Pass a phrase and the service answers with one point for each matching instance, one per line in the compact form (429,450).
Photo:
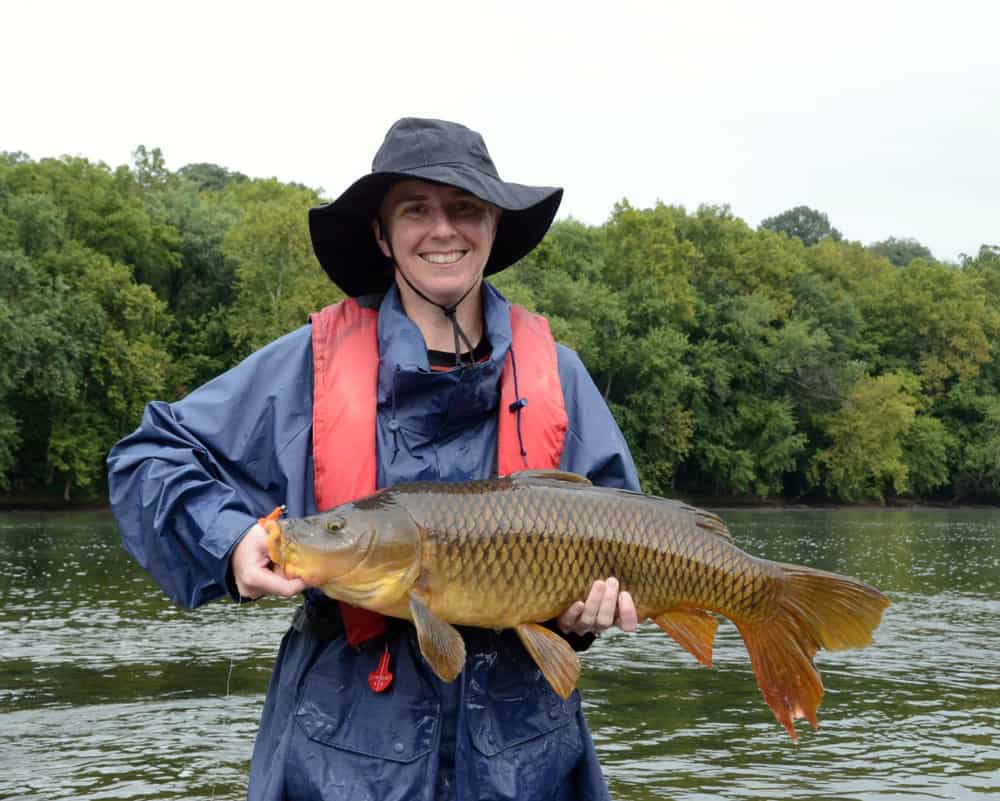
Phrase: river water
(109,692)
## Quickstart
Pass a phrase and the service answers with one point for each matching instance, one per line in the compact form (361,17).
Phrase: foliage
(777,361)
(803,223)
(927,449)
(930,318)
(865,457)
(972,412)
(117,288)
(276,278)
(901,251)
(210,176)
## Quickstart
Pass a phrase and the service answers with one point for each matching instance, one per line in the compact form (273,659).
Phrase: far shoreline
(43,503)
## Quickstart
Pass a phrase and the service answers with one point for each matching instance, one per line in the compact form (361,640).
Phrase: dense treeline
(783,361)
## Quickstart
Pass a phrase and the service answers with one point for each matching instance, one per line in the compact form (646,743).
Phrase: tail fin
(814,610)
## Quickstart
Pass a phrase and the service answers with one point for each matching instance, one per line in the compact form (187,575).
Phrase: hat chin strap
(449,312)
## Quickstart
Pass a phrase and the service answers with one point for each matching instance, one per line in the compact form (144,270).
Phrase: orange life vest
(345,401)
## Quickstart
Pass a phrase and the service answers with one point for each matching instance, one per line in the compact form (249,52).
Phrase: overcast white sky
(884,115)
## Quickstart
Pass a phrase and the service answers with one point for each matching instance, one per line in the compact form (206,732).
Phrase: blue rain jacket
(196,475)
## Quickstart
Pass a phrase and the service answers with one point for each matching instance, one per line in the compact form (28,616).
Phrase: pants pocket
(526,740)
(353,743)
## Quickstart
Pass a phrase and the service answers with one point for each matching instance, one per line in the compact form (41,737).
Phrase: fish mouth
(315,567)
(275,542)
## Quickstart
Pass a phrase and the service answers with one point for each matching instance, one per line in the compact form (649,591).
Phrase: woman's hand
(604,607)
(254,572)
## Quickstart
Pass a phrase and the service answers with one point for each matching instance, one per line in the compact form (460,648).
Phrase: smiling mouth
(443,258)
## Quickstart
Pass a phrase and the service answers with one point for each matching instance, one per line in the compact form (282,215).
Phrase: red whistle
(380,678)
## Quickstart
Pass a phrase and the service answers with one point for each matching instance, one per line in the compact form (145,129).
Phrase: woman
(414,377)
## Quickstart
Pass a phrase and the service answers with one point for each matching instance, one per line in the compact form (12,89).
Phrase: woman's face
(441,237)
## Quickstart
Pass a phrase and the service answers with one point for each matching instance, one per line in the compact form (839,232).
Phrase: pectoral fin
(553,655)
(693,629)
(440,643)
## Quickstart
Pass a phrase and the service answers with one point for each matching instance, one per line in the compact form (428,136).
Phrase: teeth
(443,258)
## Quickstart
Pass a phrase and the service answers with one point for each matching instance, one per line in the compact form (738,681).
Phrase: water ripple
(141,700)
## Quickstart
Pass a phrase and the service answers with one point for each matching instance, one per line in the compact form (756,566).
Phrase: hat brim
(345,244)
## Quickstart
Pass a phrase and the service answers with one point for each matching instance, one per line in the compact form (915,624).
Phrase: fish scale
(560,542)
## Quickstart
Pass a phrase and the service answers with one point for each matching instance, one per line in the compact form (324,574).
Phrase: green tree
(978,474)
(747,436)
(930,319)
(210,176)
(986,266)
(150,168)
(803,223)
(203,290)
(865,457)
(101,360)
(928,448)
(105,211)
(645,258)
(18,291)
(971,411)
(901,251)
(278,283)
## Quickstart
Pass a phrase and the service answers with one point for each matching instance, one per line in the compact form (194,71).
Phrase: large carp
(516,551)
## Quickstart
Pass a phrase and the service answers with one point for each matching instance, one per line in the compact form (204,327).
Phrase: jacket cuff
(221,538)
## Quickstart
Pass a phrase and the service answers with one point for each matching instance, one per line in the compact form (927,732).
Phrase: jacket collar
(425,403)
(402,345)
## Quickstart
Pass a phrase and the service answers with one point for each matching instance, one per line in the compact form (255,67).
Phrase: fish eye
(335,525)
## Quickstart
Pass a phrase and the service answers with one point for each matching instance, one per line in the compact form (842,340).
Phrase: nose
(443,227)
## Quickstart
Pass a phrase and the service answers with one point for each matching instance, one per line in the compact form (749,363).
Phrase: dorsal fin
(707,521)
(549,475)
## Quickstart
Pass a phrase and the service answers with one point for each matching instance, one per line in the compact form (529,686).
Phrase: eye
(467,208)
(414,210)
(335,525)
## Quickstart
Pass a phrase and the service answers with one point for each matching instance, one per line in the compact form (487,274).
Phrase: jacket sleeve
(195,476)
(595,446)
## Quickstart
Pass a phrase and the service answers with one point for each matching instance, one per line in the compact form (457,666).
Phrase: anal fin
(693,629)
(440,643)
(558,662)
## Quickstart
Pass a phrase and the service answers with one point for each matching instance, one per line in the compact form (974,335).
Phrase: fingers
(265,582)
(567,620)
(604,607)
(628,618)
(607,605)
(252,571)
(586,620)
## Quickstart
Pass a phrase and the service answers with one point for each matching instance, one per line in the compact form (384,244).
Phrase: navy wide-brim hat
(427,150)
